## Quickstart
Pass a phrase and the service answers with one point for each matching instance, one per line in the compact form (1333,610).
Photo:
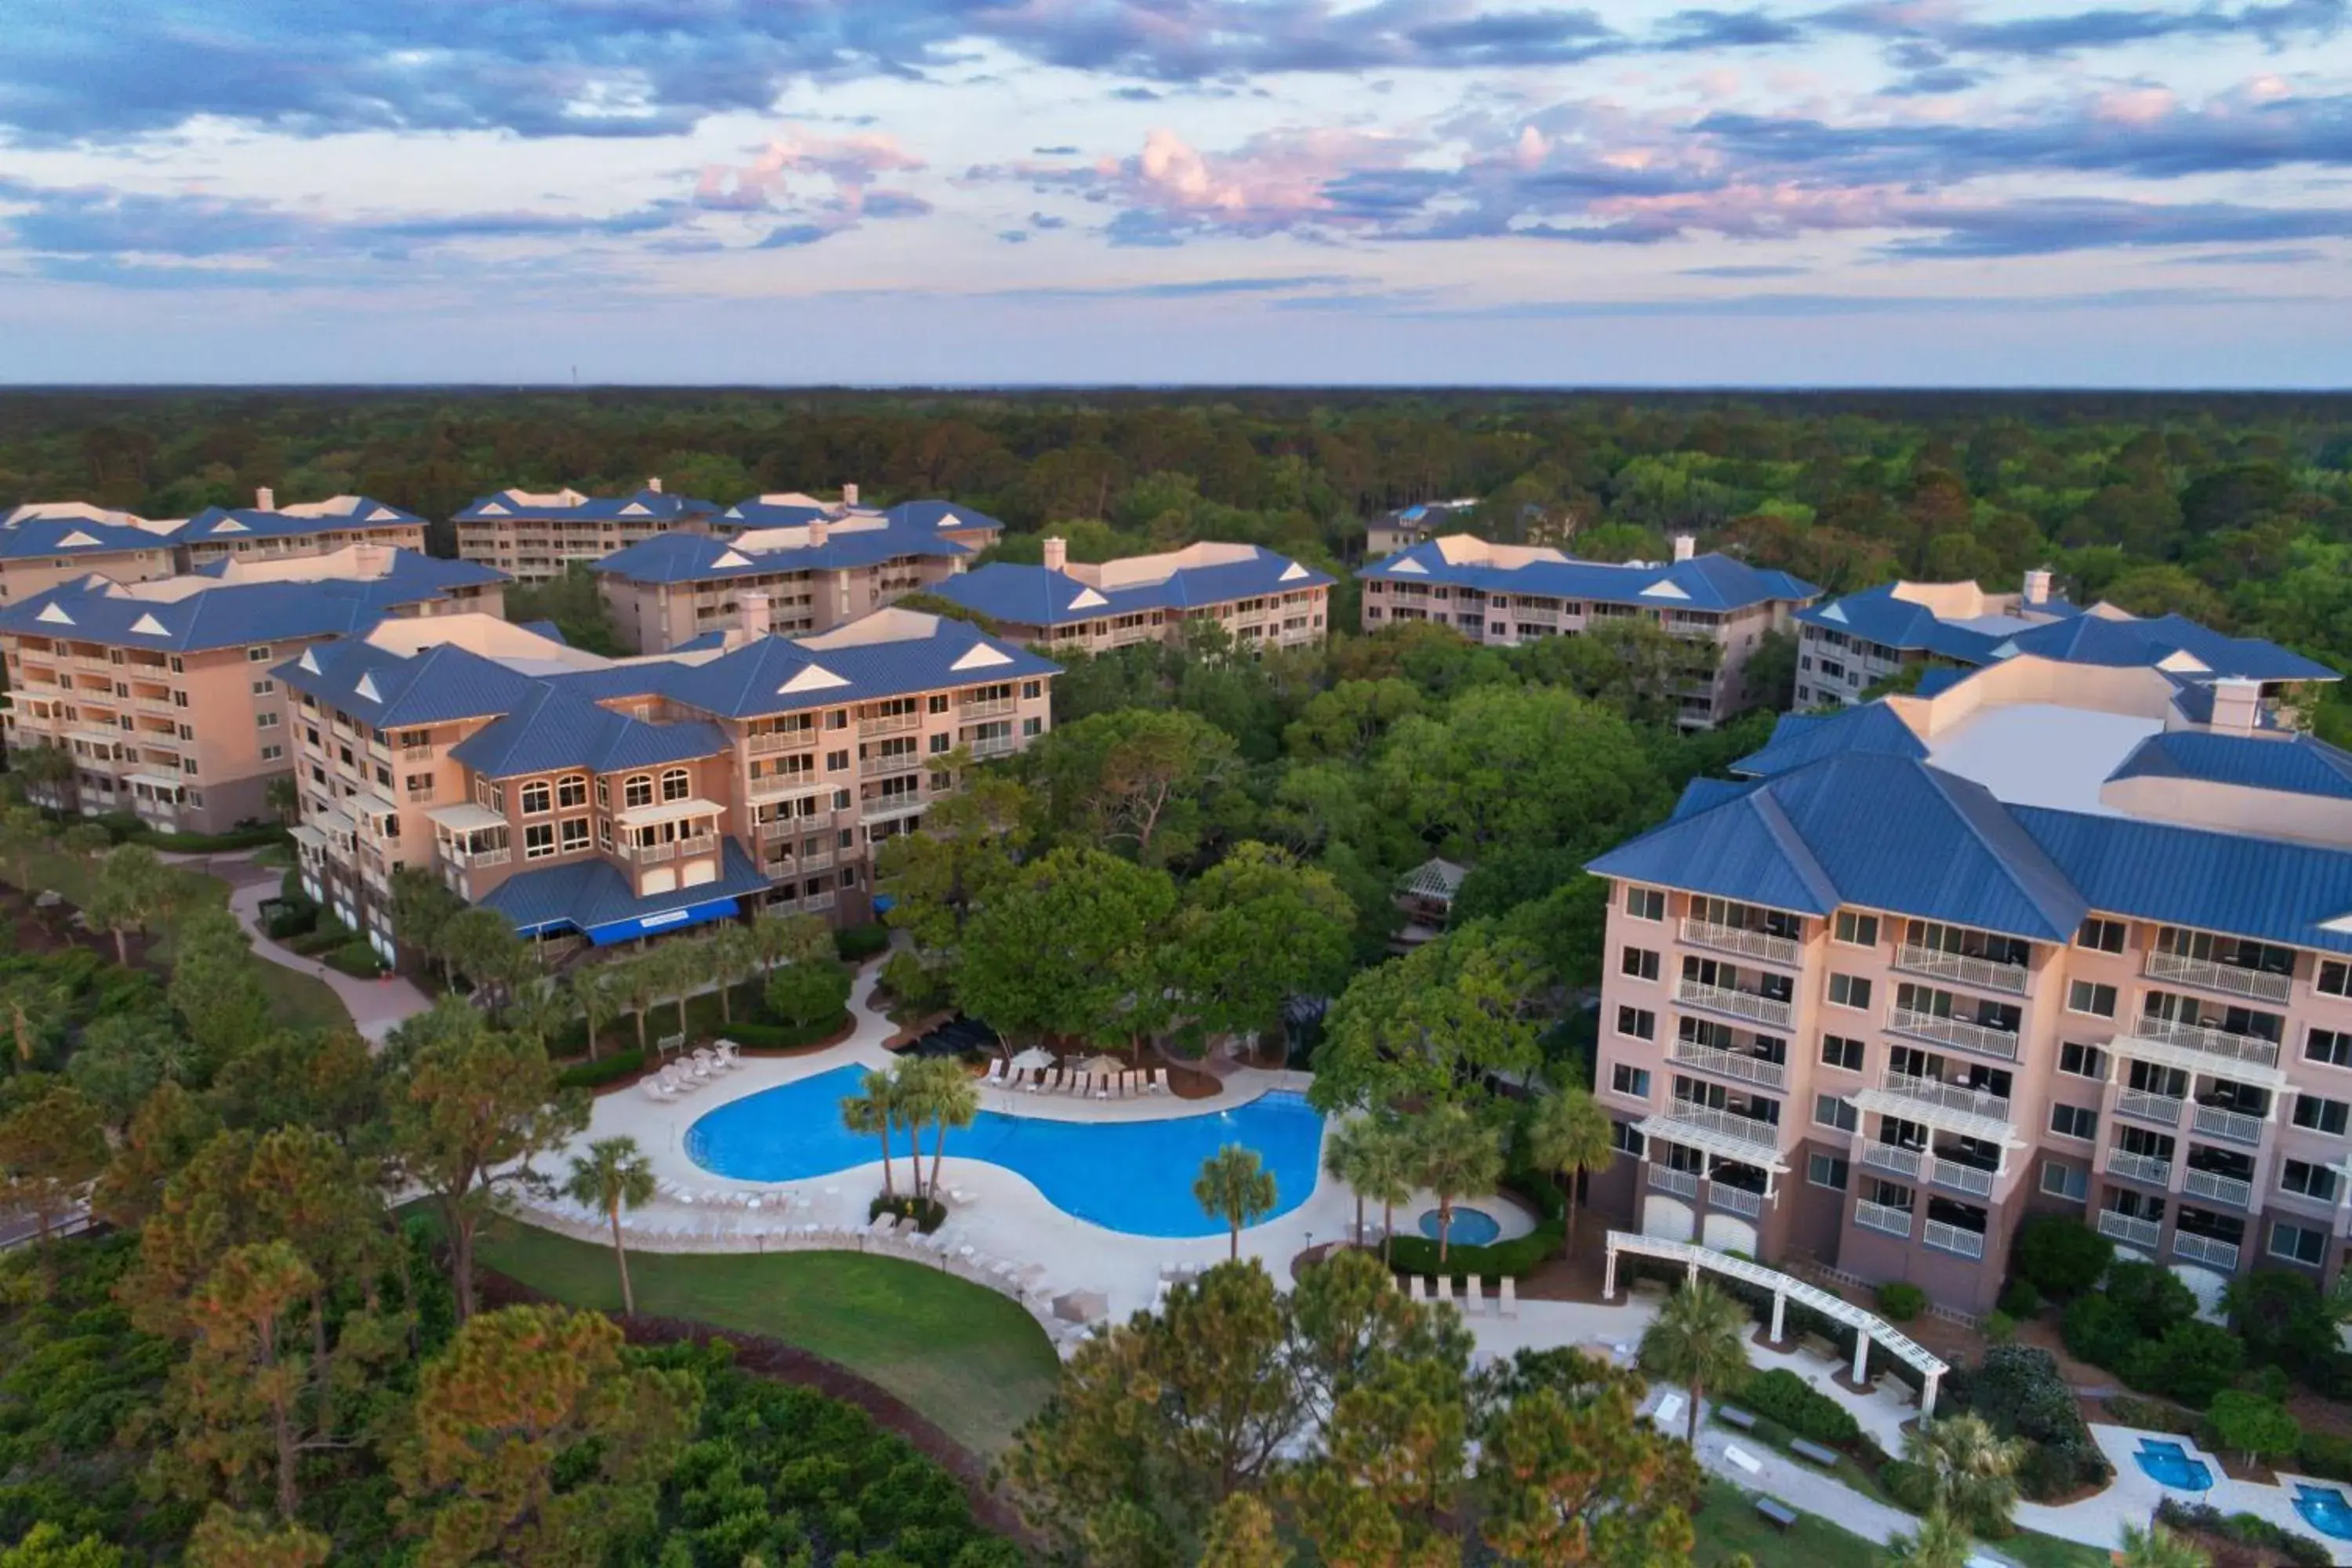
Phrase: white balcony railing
(994,746)
(1969,1179)
(1681,1184)
(786,827)
(903,762)
(1982,972)
(2257,984)
(1734,1200)
(2212,1041)
(1893,1159)
(2219,1122)
(988,708)
(1784,951)
(2146,1168)
(2190,1247)
(890,724)
(1947,1096)
(476,859)
(1953,1238)
(2139,1104)
(1729,1064)
(780,741)
(1744,1004)
(1762,1135)
(1881,1218)
(2123,1227)
(2218,1188)
(1979,1037)
(767,786)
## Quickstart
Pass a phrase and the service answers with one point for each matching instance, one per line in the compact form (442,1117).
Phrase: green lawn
(972,1360)
(1728,1525)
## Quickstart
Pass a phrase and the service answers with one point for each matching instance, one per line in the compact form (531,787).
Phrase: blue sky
(1914,192)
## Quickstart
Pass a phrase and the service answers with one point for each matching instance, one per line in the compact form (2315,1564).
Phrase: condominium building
(609,800)
(1504,595)
(1409,525)
(47,543)
(1262,599)
(2057,937)
(161,691)
(1849,645)
(816,568)
(533,537)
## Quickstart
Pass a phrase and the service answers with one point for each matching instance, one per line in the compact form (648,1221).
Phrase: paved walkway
(376,1006)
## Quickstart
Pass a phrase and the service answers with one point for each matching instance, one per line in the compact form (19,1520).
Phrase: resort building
(1262,599)
(601,800)
(2058,937)
(816,567)
(1409,525)
(1943,629)
(1504,595)
(47,543)
(161,691)
(534,537)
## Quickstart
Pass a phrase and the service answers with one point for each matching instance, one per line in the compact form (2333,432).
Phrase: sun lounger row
(1085,1086)
(1474,1297)
(687,1075)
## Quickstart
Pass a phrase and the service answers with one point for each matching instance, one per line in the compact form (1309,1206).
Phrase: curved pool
(2169,1464)
(1471,1227)
(1132,1176)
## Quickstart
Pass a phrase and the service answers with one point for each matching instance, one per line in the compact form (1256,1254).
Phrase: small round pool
(1472,1228)
(2325,1509)
(2169,1464)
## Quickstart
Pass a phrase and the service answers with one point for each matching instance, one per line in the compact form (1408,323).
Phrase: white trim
(815,677)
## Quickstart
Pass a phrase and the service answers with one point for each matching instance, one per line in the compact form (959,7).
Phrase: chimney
(2237,707)
(849,495)
(2037,586)
(1685,546)
(370,560)
(818,533)
(1057,554)
(265,499)
(756,622)
(653,484)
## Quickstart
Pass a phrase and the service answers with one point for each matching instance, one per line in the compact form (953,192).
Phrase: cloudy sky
(1915,192)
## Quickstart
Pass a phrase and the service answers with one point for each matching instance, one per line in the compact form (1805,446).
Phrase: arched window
(571,791)
(637,790)
(677,784)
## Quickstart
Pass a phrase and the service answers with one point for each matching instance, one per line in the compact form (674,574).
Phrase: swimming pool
(1472,1228)
(2324,1510)
(2169,1464)
(1133,1176)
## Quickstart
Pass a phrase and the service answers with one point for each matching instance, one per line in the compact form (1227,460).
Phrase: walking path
(376,1006)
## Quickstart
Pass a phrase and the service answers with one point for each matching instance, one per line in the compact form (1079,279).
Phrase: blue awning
(667,921)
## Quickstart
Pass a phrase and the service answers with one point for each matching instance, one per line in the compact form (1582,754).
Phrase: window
(2074,1122)
(2070,1182)
(1632,1082)
(1826,1171)
(2100,936)
(2082,1061)
(498,798)
(1032,726)
(1849,990)
(836,762)
(604,834)
(603,795)
(2335,977)
(941,743)
(2310,1181)
(571,791)
(258,653)
(260,689)
(1837,1051)
(1829,1111)
(837,719)
(537,797)
(1646,903)
(1638,1022)
(1641,964)
(1032,689)
(575,835)
(2329,1048)
(677,784)
(539,841)
(2099,1001)
(636,790)
(267,720)
(2298,1244)
(271,753)
(2317,1115)
(1858,930)
(938,703)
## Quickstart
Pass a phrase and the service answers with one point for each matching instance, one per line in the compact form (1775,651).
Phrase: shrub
(2152,1416)
(295,917)
(2278,1314)
(2020,1299)
(2193,1362)
(2153,1295)
(1516,1259)
(913,986)
(2061,1256)
(1912,1488)
(1901,1301)
(2251,1425)
(1782,1395)
(2098,1330)
(356,958)
(2325,1454)
(929,1214)
(2245,1530)
(2017,1388)
(602,1070)
(855,944)
(203,843)
(756,1037)
(803,993)
(1999,1328)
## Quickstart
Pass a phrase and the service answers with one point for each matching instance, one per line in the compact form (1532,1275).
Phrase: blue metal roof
(392,690)
(753,679)
(556,726)
(1802,738)
(646,505)
(2096,639)
(699,558)
(591,895)
(2297,764)
(1036,596)
(940,516)
(2267,888)
(1876,614)
(234,615)
(23,536)
(1712,583)
(216,523)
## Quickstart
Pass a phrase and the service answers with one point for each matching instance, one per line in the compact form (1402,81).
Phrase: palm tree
(1570,1135)
(1343,1158)
(614,1174)
(1942,1542)
(134,886)
(538,1010)
(22,831)
(1235,1187)
(683,968)
(1386,1173)
(790,939)
(29,1005)
(1455,1157)
(283,796)
(1972,1468)
(44,767)
(875,1110)
(937,1094)
(733,955)
(595,997)
(1699,1339)
(2156,1547)
(636,984)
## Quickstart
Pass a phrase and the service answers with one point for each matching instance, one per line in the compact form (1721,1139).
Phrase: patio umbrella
(1082,1307)
(1033,1059)
(1102,1063)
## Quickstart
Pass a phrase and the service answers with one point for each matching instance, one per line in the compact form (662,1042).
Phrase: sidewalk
(376,1006)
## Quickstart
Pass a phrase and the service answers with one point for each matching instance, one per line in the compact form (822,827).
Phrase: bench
(1781,1515)
(1806,1448)
(1731,1417)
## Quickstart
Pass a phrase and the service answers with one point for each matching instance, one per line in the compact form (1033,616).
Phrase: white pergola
(1871,1328)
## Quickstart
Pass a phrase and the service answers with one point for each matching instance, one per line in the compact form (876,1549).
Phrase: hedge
(2324,1454)
(357,959)
(601,1071)
(928,1213)
(759,1036)
(1515,1258)
(1899,1301)
(207,843)
(857,943)
(1782,1395)
(2245,1530)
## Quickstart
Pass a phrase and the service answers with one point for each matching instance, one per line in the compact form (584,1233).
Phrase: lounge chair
(1158,1081)
(1102,1086)
(725,1051)
(654,1090)
(1075,1083)
(1052,1081)
(995,1078)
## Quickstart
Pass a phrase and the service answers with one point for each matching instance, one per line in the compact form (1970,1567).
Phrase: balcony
(1681,1184)
(994,746)
(2210,1041)
(420,795)
(876,767)
(1762,1136)
(778,741)
(1879,1217)
(1734,1200)
(663,853)
(890,724)
(2140,1105)
(2190,1247)
(1981,973)
(881,806)
(989,707)
(782,827)
(1952,1238)
(2230,1126)
(1893,1159)
(2124,1228)
(768,786)
(2218,1188)
(472,859)
(2255,984)
(416,753)
(1743,1004)
(1786,951)
(817,903)
(1918,1164)
(1979,1037)
(2145,1168)
(1729,1064)
(1948,1096)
